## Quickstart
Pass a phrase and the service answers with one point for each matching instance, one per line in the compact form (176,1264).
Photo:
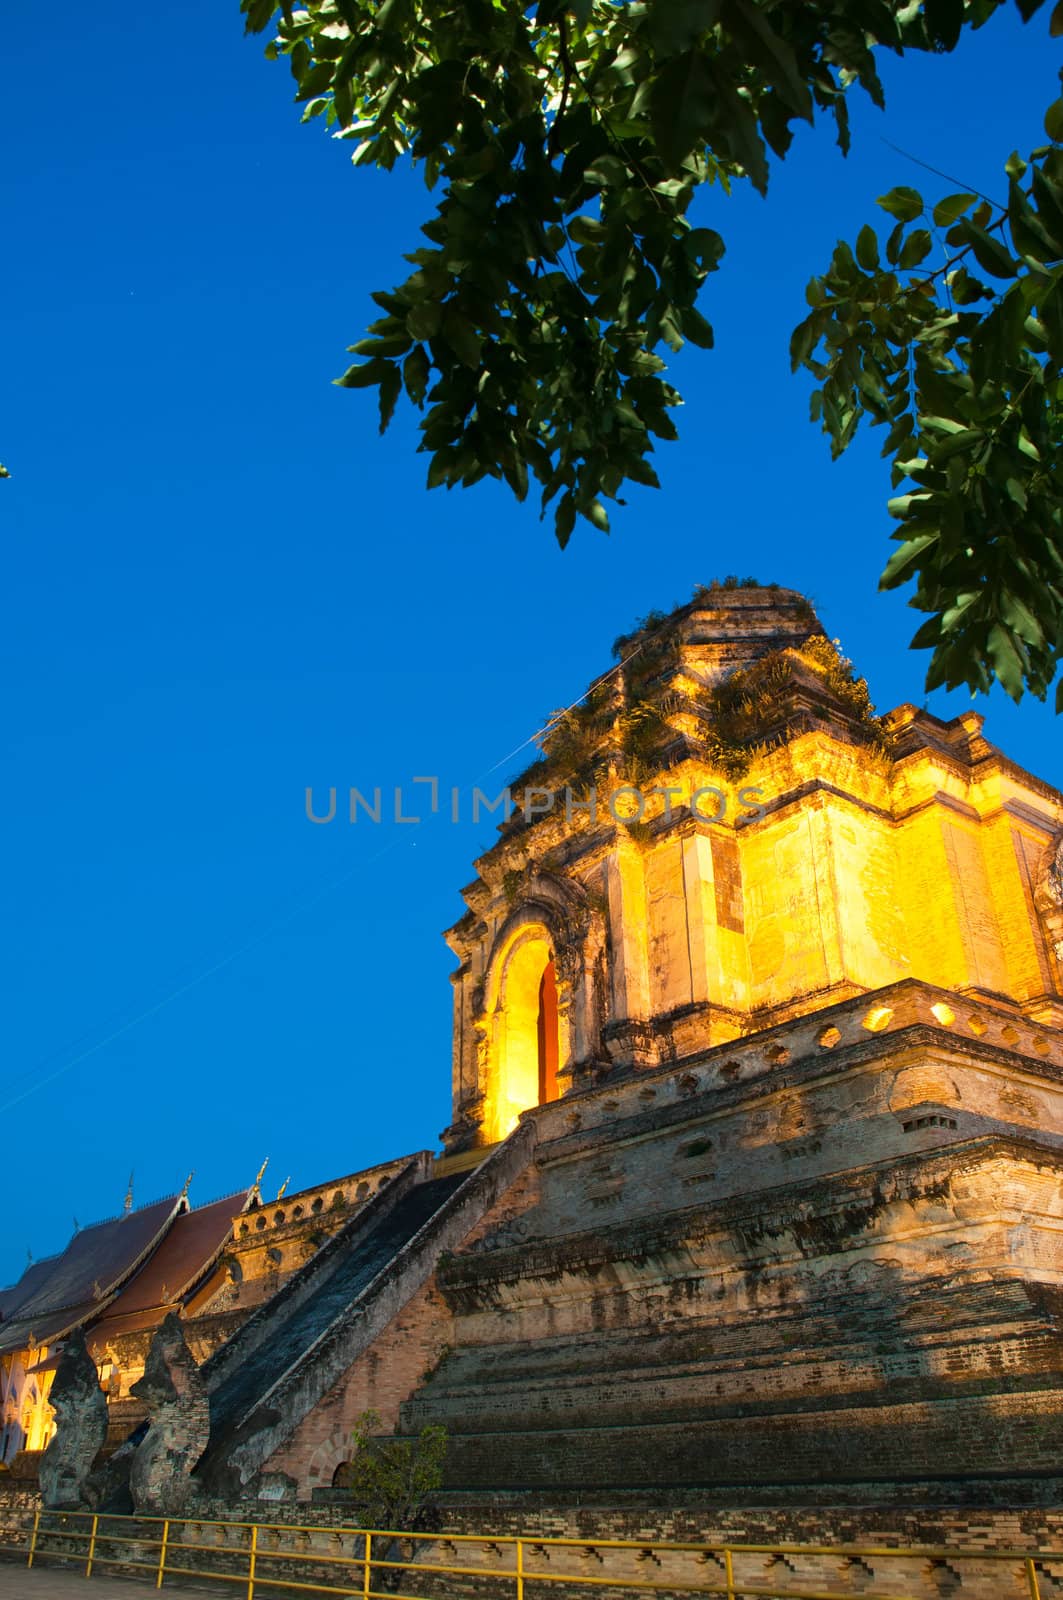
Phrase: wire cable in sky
(277,922)
(200,977)
(555,718)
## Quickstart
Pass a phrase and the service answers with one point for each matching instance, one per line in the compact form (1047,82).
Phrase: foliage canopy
(566,140)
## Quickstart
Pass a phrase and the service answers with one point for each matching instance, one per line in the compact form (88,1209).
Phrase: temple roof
(56,1295)
(187,1252)
(27,1285)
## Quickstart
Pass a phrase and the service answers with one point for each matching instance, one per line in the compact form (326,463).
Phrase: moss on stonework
(640,834)
(746,712)
(621,728)
(647,636)
(640,728)
(703,593)
(742,711)
(531,777)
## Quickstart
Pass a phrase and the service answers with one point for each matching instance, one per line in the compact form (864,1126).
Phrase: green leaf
(903,203)
(1018,618)
(440,467)
(423,320)
(899,434)
(956,444)
(1054,121)
(696,328)
(674,25)
(916,248)
(901,564)
(640,471)
(415,371)
(1029,235)
(867,248)
(390,389)
(587,230)
(565,519)
(991,255)
(1006,661)
(596,513)
(462,338)
(389,344)
(705,247)
(804,340)
(954,205)
(365,374)
(767,49)
(606,171)
(964,288)
(682,105)
(945,19)
(955,613)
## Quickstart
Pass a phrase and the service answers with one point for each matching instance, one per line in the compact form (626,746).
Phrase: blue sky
(221,586)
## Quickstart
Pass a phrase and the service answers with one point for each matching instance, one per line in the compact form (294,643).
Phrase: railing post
(33,1537)
(92,1547)
(520,1569)
(162,1554)
(1031,1578)
(366,1565)
(251,1562)
(729,1574)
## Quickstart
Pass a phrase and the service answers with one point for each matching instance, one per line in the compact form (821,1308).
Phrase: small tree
(392,1479)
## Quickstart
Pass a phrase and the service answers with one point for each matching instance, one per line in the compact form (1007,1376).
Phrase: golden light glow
(517,1045)
(27,1421)
(853,871)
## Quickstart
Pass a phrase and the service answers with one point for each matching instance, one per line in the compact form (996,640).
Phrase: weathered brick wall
(378,1381)
(685,1518)
(323,1546)
(838,1447)
(19,1499)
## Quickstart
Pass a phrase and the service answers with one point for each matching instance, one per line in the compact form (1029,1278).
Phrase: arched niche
(526,1029)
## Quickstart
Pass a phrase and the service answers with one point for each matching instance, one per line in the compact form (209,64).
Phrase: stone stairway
(285,1358)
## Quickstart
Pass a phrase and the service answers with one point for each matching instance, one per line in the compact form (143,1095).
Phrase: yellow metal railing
(267,1558)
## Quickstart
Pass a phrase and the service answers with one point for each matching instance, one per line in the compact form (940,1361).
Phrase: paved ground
(20,1583)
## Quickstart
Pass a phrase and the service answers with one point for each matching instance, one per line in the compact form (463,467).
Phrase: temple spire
(256,1187)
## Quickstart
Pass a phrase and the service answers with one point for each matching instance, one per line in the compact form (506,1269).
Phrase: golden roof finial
(284,1185)
(184,1192)
(127,1203)
(256,1187)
